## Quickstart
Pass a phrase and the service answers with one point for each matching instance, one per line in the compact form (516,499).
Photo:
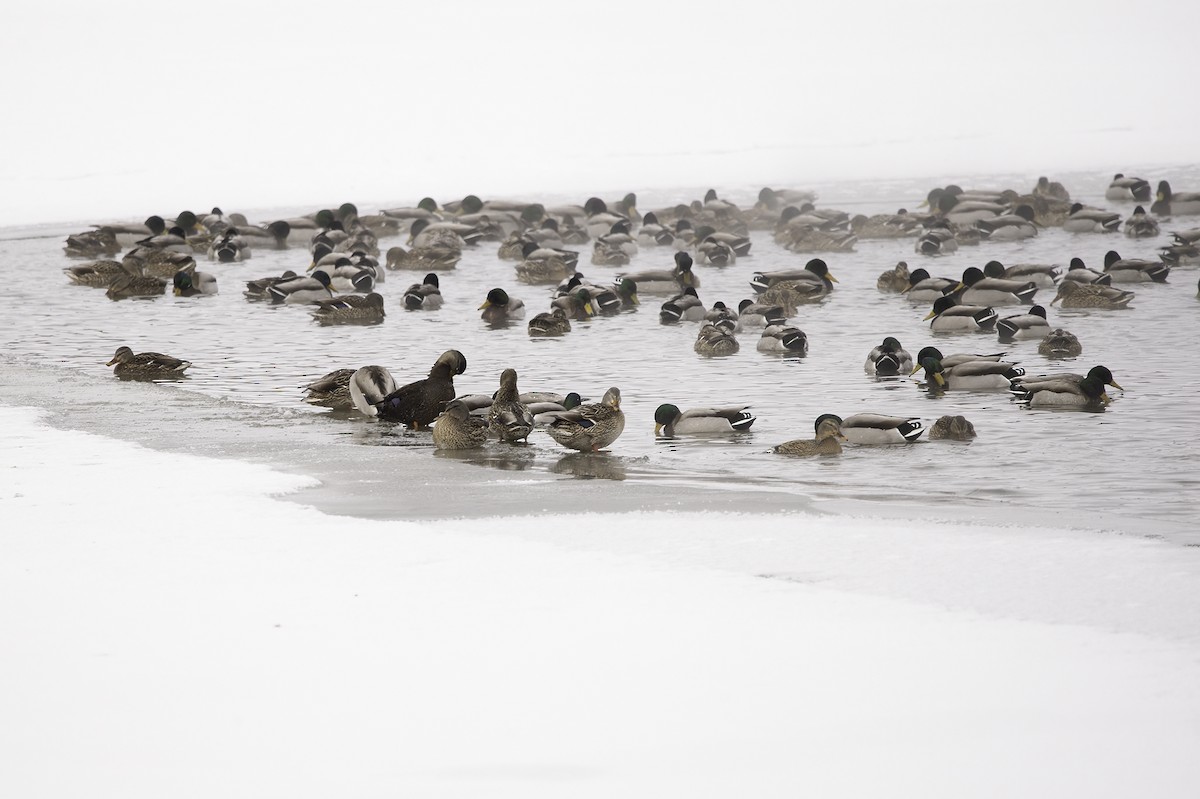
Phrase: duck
(651,233)
(418,403)
(950,317)
(1073,294)
(511,420)
(146,365)
(554,322)
(346,276)
(783,339)
(938,239)
(174,240)
(714,341)
(301,290)
(758,314)
(190,284)
(351,309)
(877,428)
(712,252)
(439,258)
(1016,226)
(135,285)
(970,376)
(827,442)
(498,307)
(894,280)
(1060,343)
(886,226)
(157,263)
(1141,225)
(331,390)
(953,428)
(958,357)
(1134,270)
(1067,391)
(590,427)
(541,264)
(546,411)
(1050,189)
(577,304)
(368,385)
(1091,220)
(456,428)
(669,421)
(230,247)
(723,317)
(966,208)
(1128,189)
(424,296)
(1026,326)
(1179,255)
(656,281)
(983,290)
(1169,203)
(1078,272)
(92,244)
(98,274)
(685,306)
(626,290)
(816,272)
(889,358)
(1045,276)
(923,288)
(257,289)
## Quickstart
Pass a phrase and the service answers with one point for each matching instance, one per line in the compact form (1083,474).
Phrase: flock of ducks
(347,266)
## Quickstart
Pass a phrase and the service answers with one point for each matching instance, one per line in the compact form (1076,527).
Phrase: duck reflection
(505,458)
(590,466)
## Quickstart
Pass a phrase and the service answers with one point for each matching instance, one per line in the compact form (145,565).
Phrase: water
(1131,465)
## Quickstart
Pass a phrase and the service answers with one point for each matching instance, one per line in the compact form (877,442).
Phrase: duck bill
(486,304)
(588,309)
(929,316)
(633,299)
(177,292)
(916,369)
(110,363)
(906,289)
(1115,384)
(831,278)
(657,428)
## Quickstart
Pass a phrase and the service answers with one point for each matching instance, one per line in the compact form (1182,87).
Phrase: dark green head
(993,269)
(428,204)
(347,211)
(666,414)
(471,204)
(891,344)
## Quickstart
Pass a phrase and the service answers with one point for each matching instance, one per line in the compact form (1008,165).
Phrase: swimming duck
(758,314)
(351,309)
(816,271)
(439,258)
(669,421)
(1009,227)
(189,283)
(1091,220)
(1134,270)
(301,290)
(1141,225)
(1067,391)
(711,252)
(829,434)
(345,275)
(173,239)
(1128,189)
(554,322)
(954,428)
(510,419)
(135,285)
(970,376)
(544,265)
(92,244)
(923,288)
(1179,254)
(659,280)
(956,358)
(1044,276)
(1059,343)
(146,365)
(498,307)
(653,234)
(456,428)
(1032,325)
(964,208)
(1073,294)
(886,226)
(98,274)
(876,428)
(367,386)
(723,317)
(889,358)
(1169,203)
(983,290)
(230,247)
(424,296)
(577,305)
(685,306)
(332,390)
(626,290)
(1050,189)
(783,339)
(894,280)
(950,317)
(1078,272)
(257,290)
(939,238)
(158,263)
(418,403)
(714,341)
(592,426)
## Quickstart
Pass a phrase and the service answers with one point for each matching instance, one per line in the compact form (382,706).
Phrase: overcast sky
(126,108)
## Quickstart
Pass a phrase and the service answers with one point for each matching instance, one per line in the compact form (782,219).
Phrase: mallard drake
(301,290)
(711,252)
(900,225)
(889,358)
(608,254)
(1123,189)
(424,296)
(656,281)
(966,208)
(351,309)
(1067,391)
(229,247)
(456,428)
(757,314)
(592,426)
(346,276)
(938,239)
(146,365)
(1078,272)
(1091,220)
(970,376)
(923,288)
(983,290)
(98,274)
(1134,270)
(685,306)
(1032,325)
(783,339)
(367,387)
(954,428)
(438,258)
(127,234)
(544,265)
(619,237)
(950,317)
(1009,227)
(653,234)
(92,244)
(577,304)
(714,341)
(723,317)
(418,403)
(957,358)
(1179,254)
(1044,276)
(876,428)
(1141,225)
(669,421)
(257,290)
(1059,343)
(1169,203)
(190,284)
(546,411)
(510,419)
(626,290)
(332,390)
(498,308)
(129,285)
(894,280)
(554,322)
(1073,294)
(827,441)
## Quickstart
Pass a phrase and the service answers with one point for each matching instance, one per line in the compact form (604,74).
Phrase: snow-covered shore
(168,628)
